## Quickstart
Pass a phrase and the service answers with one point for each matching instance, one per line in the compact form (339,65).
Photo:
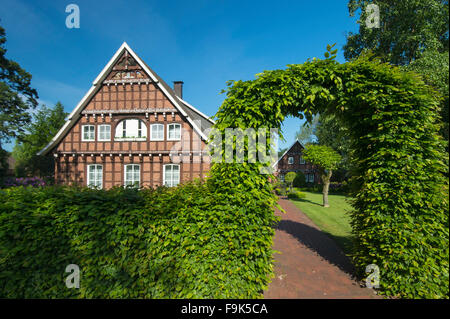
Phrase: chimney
(178,88)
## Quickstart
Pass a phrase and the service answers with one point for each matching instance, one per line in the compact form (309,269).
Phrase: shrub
(24,181)
(299,180)
(280,191)
(296,195)
(178,242)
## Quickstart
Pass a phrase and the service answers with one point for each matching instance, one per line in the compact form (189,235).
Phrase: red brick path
(310,265)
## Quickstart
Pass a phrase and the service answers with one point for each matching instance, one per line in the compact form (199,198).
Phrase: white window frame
(120,137)
(151,132)
(311,178)
(172,184)
(97,177)
(125,175)
(168,132)
(290,160)
(302,160)
(99,131)
(83,127)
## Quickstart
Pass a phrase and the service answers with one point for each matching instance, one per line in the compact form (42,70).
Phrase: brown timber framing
(128,89)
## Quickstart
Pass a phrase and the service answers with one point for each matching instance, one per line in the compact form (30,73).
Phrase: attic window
(290,160)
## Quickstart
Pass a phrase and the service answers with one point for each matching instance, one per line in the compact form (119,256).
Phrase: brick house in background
(131,128)
(292,161)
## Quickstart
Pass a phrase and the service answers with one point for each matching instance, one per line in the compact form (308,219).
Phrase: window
(302,160)
(88,133)
(131,129)
(174,132)
(171,175)
(95,176)
(104,132)
(310,178)
(132,175)
(157,132)
(290,160)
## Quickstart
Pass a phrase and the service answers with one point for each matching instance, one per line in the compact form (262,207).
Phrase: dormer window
(131,130)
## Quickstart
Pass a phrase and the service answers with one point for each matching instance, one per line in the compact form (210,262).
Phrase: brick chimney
(178,88)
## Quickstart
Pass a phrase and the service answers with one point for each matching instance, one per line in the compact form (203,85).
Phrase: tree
(306,133)
(289,178)
(46,123)
(330,131)
(434,68)
(414,33)
(407,29)
(327,160)
(300,179)
(281,151)
(17,97)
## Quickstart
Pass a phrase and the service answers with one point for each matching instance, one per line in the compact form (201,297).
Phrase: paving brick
(311,264)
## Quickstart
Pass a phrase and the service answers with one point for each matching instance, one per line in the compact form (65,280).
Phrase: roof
(289,148)
(197,119)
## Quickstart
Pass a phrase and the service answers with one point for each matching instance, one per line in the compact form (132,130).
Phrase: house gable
(124,68)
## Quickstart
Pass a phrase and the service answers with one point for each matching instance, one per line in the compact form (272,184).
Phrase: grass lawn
(333,220)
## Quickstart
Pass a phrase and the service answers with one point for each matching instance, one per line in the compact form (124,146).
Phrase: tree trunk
(326,177)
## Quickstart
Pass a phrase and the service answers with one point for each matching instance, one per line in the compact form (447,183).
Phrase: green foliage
(306,133)
(296,195)
(323,156)
(183,242)
(46,123)
(289,177)
(400,216)
(299,180)
(434,68)
(407,28)
(330,131)
(17,98)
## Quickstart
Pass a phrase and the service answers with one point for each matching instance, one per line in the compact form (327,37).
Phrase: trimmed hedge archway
(400,206)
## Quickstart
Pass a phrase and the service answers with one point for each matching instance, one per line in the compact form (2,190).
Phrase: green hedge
(296,195)
(166,243)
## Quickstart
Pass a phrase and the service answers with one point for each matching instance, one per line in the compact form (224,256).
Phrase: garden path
(310,265)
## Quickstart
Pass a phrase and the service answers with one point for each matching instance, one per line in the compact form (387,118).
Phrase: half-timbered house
(292,161)
(131,128)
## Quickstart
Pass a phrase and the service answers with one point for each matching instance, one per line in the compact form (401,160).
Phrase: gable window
(174,132)
(171,175)
(88,133)
(104,132)
(290,160)
(132,175)
(95,176)
(302,160)
(131,130)
(156,132)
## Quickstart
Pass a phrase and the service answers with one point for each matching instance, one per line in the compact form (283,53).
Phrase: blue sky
(203,43)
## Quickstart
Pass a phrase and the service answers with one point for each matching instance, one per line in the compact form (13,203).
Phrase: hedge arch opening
(400,181)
